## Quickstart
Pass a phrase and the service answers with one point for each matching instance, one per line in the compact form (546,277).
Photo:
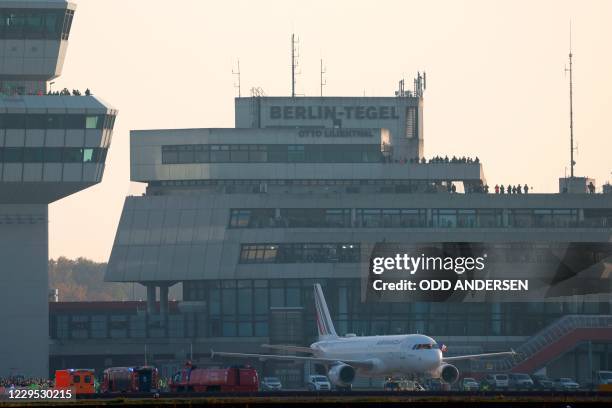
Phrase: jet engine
(448,373)
(341,375)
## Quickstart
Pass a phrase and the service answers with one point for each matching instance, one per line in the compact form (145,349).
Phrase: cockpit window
(427,346)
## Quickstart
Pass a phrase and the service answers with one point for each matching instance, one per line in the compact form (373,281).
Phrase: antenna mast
(237,73)
(294,62)
(323,81)
(571,100)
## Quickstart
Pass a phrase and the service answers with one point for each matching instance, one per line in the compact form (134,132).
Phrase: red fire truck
(233,379)
(130,379)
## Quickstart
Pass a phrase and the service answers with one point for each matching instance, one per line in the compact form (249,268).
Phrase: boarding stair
(561,336)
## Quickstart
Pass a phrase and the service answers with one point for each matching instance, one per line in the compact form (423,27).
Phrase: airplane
(390,356)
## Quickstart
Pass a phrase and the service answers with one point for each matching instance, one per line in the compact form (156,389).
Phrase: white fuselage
(394,355)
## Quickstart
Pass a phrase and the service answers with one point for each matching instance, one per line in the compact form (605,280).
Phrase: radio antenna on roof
(237,73)
(323,81)
(294,62)
(571,101)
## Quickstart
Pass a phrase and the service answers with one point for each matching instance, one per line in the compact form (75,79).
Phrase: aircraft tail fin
(325,326)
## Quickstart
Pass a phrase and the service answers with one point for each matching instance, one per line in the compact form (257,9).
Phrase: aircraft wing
(474,356)
(367,364)
(293,349)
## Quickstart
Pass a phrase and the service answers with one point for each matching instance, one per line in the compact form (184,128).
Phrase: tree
(83,280)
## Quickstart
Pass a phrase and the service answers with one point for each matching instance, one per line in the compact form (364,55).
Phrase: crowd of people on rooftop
(66,92)
(433,160)
(63,92)
(510,189)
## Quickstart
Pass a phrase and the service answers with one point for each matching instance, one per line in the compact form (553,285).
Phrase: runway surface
(341,399)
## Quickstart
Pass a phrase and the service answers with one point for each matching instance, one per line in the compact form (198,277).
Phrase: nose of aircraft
(434,358)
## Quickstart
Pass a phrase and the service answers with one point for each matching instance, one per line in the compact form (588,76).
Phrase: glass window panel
(245,301)
(36,121)
(245,329)
(229,302)
(52,154)
(277,297)
(13,155)
(186,154)
(219,153)
(261,329)
(91,122)
(73,155)
(88,155)
(14,121)
(73,121)
(229,329)
(214,302)
(33,155)
(56,121)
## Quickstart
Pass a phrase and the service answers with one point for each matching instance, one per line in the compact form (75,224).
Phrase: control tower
(51,146)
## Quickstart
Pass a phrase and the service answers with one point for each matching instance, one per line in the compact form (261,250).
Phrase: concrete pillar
(163,302)
(151,299)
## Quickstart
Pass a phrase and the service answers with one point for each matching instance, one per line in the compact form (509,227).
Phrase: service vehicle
(402,385)
(233,379)
(520,381)
(271,384)
(130,379)
(469,384)
(566,384)
(496,381)
(318,383)
(603,380)
(79,380)
(542,382)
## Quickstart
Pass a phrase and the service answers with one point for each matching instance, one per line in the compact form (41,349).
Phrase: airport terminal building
(239,223)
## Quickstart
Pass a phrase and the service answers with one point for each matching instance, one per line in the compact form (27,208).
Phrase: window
(88,155)
(52,154)
(169,154)
(300,253)
(295,153)
(239,153)
(33,155)
(186,154)
(36,121)
(202,154)
(72,155)
(12,155)
(219,153)
(31,23)
(55,121)
(14,121)
(258,153)
(240,218)
(94,122)
(73,121)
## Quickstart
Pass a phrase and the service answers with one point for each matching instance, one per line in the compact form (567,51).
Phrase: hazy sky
(496,85)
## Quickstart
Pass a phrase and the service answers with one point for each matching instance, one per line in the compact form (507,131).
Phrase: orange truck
(79,380)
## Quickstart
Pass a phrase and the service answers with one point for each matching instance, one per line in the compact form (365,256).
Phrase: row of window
(261,153)
(38,24)
(52,155)
(55,121)
(300,253)
(400,218)
(245,307)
